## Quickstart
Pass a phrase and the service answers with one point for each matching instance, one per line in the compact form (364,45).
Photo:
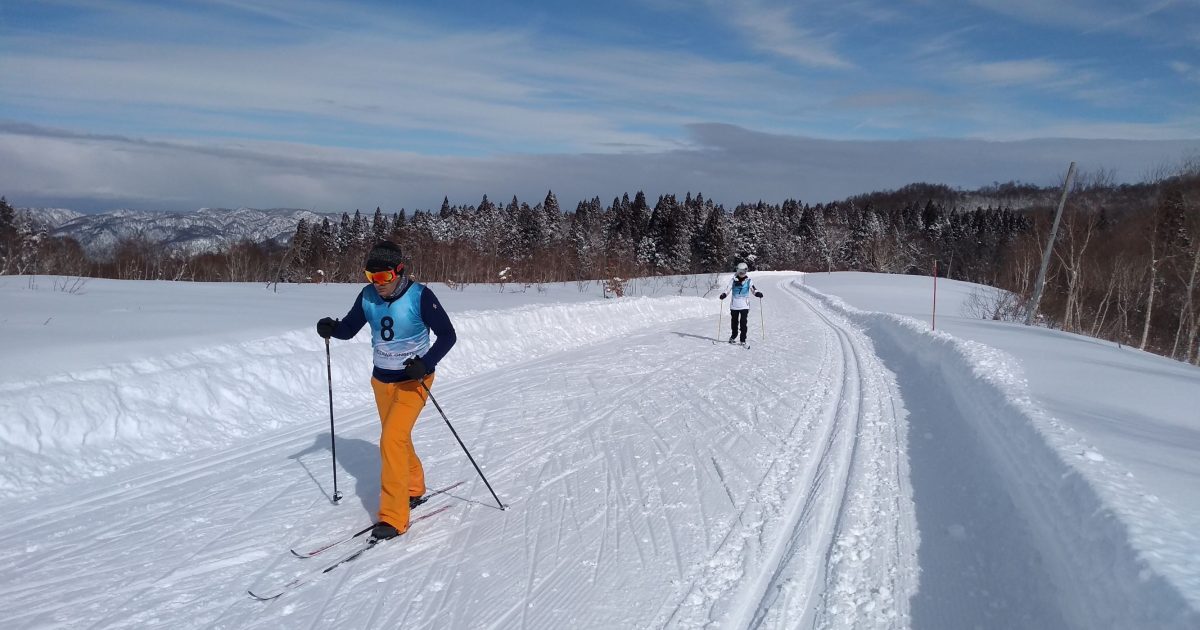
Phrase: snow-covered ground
(162,445)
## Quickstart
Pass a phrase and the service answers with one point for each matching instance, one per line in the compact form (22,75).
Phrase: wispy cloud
(1186,70)
(1022,79)
(484,86)
(887,99)
(774,29)
(1042,127)
(1166,17)
(1015,72)
(395,100)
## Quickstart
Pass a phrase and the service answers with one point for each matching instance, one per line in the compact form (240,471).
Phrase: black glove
(722,296)
(325,327)
(758,294)
(415,369)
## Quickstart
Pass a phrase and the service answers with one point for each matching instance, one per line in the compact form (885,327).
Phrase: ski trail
(1012,535)
(868,530)
(653,480)
(828,540)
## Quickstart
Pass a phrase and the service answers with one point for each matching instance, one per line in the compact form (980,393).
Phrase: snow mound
(94,422)
(1093,574)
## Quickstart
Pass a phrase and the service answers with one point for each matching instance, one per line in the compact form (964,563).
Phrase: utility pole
(933,319)
(1041,279)
(283,263)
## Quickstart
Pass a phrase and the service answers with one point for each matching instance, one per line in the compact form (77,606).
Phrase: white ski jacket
(740,292)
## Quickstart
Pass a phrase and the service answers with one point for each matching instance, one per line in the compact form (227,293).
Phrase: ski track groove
(625,514)
(852,375)
(704,515)
(426,577)
(140,489)
(531,562)
(751,605)
(871,382)
(196,552)
(380,598)
(153,483)
(92,598)
(741,518)
(101,537)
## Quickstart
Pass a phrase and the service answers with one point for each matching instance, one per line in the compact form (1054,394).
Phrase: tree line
(1124,267)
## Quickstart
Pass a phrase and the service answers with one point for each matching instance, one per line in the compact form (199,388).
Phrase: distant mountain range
(204,230)
(210,229)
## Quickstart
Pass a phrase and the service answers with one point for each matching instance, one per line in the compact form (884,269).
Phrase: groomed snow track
(1012,535)
(655,479)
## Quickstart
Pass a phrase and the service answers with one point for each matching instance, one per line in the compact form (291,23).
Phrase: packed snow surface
(163,445)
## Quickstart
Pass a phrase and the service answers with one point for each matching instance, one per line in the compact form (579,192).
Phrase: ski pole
(460,443)
(720,307)
(337,496)
(761,320)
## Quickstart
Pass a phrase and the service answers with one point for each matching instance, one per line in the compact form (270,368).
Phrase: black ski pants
(738,320)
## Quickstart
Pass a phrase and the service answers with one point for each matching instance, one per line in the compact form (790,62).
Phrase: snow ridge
(94,422)
(1082,551)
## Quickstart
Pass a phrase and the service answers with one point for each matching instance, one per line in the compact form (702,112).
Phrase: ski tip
(263,598)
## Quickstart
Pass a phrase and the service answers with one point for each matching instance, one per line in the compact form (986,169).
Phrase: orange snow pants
(401,475)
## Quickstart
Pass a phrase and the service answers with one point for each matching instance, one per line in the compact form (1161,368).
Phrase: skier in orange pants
(402,479)
(401,314)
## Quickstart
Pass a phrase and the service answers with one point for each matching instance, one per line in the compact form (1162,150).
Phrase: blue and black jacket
(400,328)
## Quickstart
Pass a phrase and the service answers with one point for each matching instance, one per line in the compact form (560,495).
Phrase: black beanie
(383,256)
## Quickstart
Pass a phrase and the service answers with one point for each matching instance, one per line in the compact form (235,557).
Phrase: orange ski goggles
(383,277)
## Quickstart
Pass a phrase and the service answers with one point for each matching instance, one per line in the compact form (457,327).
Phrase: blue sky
(334,105)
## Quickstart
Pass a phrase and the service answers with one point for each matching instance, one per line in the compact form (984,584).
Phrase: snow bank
(1088,552)
(91,423)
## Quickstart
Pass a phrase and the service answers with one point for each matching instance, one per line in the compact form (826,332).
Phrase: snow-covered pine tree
(380,226)
(552,218)
(10,242)
(711,242)
(302,245)
(343,234)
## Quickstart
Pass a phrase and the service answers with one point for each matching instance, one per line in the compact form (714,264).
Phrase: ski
(341,541)
(354,554)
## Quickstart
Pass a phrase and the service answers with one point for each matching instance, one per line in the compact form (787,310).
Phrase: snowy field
(163,445)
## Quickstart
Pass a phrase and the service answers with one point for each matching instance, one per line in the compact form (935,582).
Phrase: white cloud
(1170,18)
(480,90)
(887,99)
(1186,70)
(1016,72)
(727,163)
(1036,77)
(402,88)
(773,29)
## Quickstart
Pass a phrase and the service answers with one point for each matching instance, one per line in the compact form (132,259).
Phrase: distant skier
(401,314)
(740,288)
